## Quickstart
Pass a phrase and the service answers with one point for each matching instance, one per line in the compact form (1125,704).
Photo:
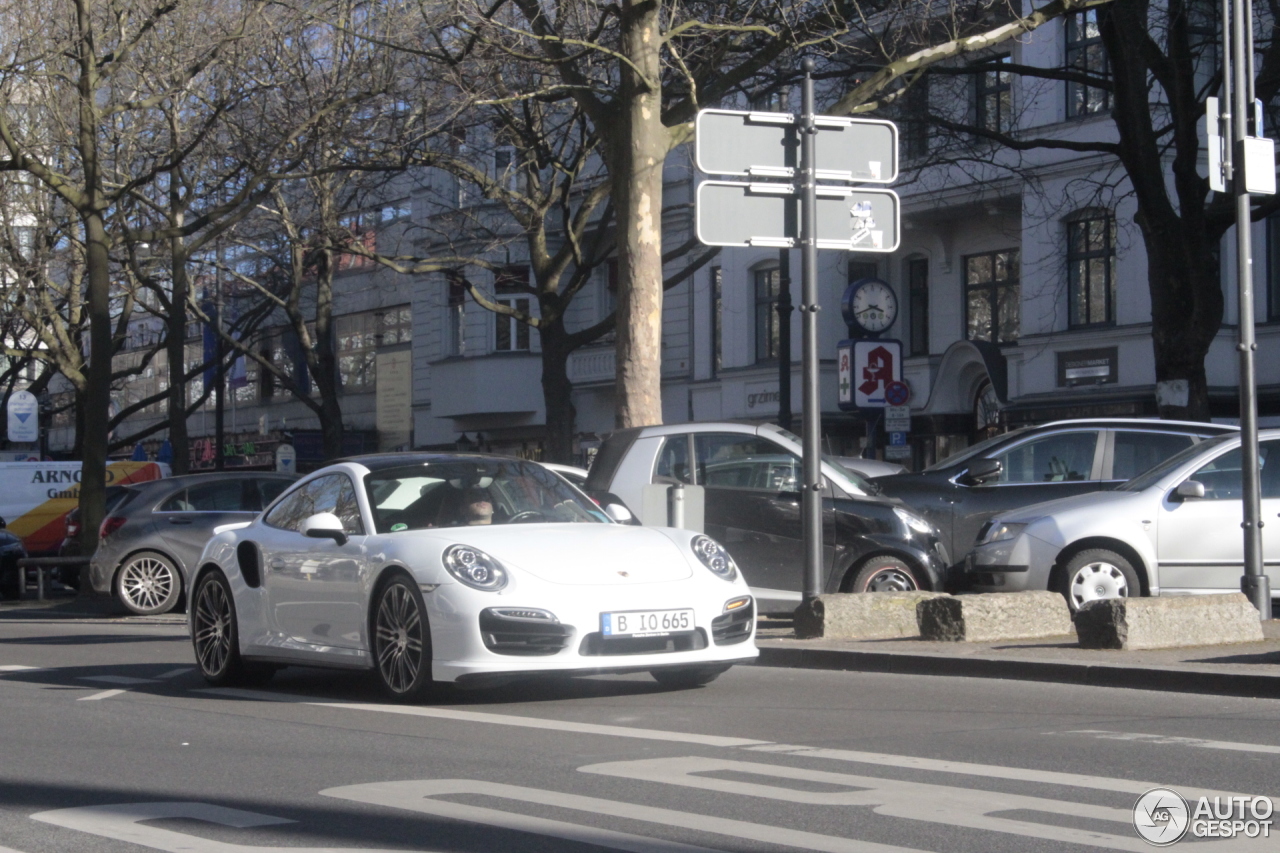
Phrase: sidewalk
(1250,669)
(67,605)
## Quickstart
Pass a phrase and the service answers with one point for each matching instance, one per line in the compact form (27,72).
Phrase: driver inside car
(476,507)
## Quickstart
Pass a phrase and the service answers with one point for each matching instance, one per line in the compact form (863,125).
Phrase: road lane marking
(116,679)
(497,719)
(174,673)
(972,808)
(106,694)
(419,796)
(1169,740)
(124,823)
(17,667)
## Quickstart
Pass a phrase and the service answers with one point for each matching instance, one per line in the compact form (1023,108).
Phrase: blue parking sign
(897,439)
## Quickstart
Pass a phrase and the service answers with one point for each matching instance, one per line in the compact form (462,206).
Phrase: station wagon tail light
(714,557)
(475,568)
(110,525)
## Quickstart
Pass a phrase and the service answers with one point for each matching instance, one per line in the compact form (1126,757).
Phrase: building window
(767,326)
(1273,267)
(918,304)
(858,270)
(1091,271)
(1085,55)
(395,326)
(357,336)
(993,96)
(717,321)
(607,297)
(455,328)
(992,296)
(915,120)
(504,167)
(509,334)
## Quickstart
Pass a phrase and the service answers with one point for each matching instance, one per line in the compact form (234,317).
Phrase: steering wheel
(526,515)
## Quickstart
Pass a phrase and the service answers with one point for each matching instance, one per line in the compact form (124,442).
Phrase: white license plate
(646,623)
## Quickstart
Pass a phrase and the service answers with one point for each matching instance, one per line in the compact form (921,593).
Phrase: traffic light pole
(811,499)
(1239,61)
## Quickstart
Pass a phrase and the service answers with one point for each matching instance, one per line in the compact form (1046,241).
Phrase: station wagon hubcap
(1094,581)
(398,638)
(212,628)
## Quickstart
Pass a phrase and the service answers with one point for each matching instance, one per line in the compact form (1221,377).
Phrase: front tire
(685,678)
(884,574)
(401,639)
(1097,574)
(149,583)
(214,632)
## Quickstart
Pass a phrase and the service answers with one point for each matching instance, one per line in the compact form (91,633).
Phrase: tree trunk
(1186,313)
(175,346)
(638,148)
(557,393)
(324,363)
(97,394)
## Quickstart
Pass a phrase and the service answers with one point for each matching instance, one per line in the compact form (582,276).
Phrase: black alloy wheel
(213,631)
(401,639)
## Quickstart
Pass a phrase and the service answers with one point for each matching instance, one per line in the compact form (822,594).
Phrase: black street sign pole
(1254,583)
(811,504)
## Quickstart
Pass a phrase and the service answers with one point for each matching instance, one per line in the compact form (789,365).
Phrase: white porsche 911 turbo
(462,568)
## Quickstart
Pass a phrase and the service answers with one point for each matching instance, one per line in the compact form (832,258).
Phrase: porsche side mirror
(981,471)
(1189,489)
(324,525)
(618,513)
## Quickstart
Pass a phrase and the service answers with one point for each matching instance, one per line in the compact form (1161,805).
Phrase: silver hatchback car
(150,541)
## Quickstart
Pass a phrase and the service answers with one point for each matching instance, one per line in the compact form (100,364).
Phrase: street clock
(869,306)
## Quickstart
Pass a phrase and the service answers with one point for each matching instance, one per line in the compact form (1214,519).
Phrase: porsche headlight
(1000,531)
(913,521)
(714,557)
(475,568)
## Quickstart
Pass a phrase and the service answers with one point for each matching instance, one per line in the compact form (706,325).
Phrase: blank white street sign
(730,213)
(761,144)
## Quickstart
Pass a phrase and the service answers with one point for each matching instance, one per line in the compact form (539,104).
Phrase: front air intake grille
(734,626)
(595,645)
(520,635)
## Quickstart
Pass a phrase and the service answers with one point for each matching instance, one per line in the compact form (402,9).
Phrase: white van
(35,497)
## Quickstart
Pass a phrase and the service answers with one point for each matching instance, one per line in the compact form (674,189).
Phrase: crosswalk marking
(1168,740)
(420,796)
(125,823)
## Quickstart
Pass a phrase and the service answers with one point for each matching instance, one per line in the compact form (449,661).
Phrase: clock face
(874,306)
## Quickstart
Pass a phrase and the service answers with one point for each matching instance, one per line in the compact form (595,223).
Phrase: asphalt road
(110,742)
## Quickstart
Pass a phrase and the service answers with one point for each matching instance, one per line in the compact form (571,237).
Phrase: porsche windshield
(469,492)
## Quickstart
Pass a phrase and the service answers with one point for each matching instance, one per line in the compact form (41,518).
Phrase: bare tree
(640,71)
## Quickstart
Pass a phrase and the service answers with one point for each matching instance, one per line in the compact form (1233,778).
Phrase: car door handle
(179,520)
(276,564)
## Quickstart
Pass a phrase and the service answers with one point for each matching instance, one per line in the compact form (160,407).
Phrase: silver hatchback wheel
(148,583)
(1098,574)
